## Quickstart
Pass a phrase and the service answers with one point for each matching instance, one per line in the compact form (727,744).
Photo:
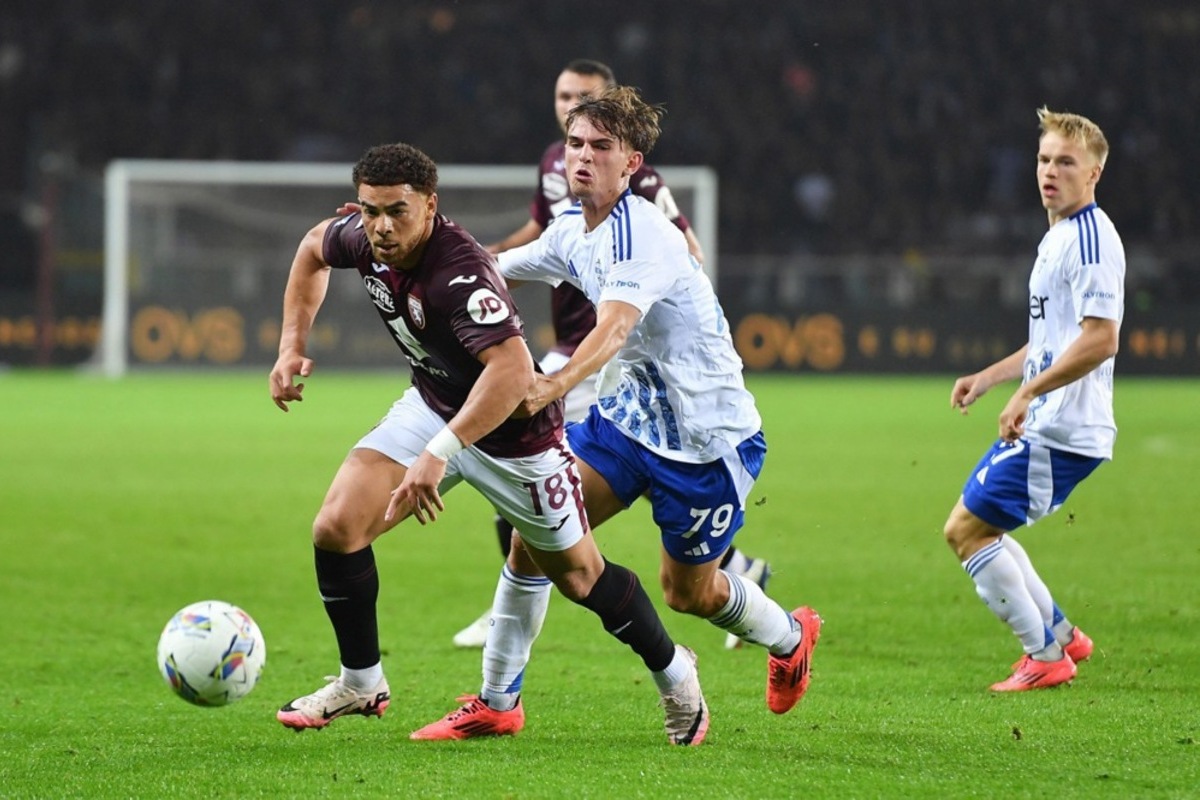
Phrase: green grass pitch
(122,501)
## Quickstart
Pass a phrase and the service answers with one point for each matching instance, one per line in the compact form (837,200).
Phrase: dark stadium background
(877,210)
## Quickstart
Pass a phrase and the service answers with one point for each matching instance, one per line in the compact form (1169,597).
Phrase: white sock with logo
(750,614)
(518,611)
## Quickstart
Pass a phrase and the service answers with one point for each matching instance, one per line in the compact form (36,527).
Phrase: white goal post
(196,254)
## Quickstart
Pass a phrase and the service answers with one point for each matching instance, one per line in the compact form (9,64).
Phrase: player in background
(447,309)
(673,422)
(1058,425)
(571,313)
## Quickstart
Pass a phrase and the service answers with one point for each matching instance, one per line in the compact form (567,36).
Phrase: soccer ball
(211,653)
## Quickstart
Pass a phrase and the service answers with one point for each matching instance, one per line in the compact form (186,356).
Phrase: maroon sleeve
(345,246)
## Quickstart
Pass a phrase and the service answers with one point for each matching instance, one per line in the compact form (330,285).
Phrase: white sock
(999,583)
(755,617)
(518,611)
(1052,615)
(1033,582)
(738,563)
(675,673)
(363,680)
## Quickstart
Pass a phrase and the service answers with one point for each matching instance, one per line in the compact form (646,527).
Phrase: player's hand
(346,209)
(966,391)
(545,391)
(419,490)
(1012,418)
(288,367)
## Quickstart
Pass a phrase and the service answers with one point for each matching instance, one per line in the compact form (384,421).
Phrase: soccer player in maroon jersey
(571,313)
(448,310)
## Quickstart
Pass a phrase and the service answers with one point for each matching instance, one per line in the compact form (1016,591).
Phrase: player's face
(1067,174)
(569,87)
(398,220)
(598,164)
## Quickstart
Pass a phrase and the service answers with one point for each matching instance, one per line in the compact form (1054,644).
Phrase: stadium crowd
(834,127)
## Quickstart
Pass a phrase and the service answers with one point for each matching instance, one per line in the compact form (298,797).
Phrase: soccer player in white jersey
(571,313)
(674,421)
(1058,425)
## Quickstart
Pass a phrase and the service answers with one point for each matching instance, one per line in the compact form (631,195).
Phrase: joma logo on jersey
(380,295)
(1037,306)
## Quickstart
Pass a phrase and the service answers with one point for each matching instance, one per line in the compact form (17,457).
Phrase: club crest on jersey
(486,307)
(416,311)
(381,296)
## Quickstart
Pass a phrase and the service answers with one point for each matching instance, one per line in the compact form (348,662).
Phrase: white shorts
(578,400)
(540,495)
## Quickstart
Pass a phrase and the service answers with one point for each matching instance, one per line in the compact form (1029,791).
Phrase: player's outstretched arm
(522,235)
(615,320)
(970,388)
(506,378)
(306,287)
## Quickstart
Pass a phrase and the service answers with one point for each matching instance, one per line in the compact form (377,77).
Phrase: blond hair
(1076,128)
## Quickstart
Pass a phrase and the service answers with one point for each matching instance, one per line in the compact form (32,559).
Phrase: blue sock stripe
(1049,639)
(524,580)
(1058,616)
(984,557)
(515,686)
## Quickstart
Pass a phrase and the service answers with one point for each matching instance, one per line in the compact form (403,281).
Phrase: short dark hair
(586,66)
(396,164)
(623,113)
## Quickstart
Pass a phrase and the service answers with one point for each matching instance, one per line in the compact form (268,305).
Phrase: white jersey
(1079,272)
(676,385)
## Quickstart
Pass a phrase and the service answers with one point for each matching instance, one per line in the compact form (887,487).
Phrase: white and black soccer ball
(211,653)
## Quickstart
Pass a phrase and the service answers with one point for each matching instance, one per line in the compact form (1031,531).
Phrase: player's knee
(691,599)
(331,531)
(952,533)
(575,586)
(519,560)
(961,537)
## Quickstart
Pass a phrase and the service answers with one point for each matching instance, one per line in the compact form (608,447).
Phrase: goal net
(197,253)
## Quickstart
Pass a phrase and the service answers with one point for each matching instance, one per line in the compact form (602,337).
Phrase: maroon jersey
(571,313)
(442,314)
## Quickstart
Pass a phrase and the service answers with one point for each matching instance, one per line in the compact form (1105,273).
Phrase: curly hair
(396,164)
(621,112)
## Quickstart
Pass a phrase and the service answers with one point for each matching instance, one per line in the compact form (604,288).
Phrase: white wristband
(444,444)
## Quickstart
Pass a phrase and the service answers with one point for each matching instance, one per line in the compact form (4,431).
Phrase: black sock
(504,531)
(627,613)
(349,587)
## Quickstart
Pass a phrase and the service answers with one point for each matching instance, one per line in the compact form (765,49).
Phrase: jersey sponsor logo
(381,296)
(623,284)
(649,180)
(462,279)
(379,267)
(1037,306)
(416,311)
(486,307)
